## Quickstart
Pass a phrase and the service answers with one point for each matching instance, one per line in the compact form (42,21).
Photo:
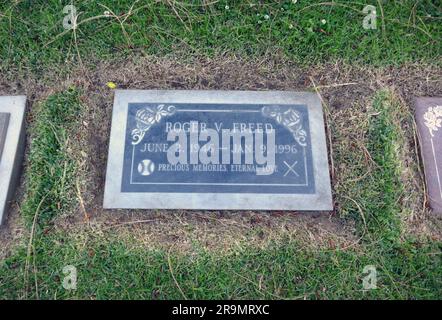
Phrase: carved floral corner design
(433,119)
(147,117)
(291,119)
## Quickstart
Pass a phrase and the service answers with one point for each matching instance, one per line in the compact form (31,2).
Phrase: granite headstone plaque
(217,150)
(12,110)
(428,115)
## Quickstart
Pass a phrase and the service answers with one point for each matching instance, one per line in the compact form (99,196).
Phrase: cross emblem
(291,168)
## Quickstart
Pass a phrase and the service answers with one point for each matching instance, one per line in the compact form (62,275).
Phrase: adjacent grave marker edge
(11,159)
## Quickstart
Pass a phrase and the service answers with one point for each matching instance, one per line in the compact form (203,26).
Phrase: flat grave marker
(232,150)
(12,111)
(428,114)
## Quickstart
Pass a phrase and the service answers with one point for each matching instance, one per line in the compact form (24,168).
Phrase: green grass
(384,139)
(32,34)
(51,170)
(371,188)
(379,193)
(109,268)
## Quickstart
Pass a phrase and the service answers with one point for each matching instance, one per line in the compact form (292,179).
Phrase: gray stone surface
(4,121)
(141,177)
(13,146)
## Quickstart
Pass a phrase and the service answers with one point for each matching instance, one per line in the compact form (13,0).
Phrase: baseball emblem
(146,167)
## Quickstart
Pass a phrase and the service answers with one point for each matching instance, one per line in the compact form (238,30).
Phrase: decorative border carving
(433,119)
(147,117)
(291,119)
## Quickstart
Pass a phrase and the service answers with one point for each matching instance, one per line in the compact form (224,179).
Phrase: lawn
(367,79)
